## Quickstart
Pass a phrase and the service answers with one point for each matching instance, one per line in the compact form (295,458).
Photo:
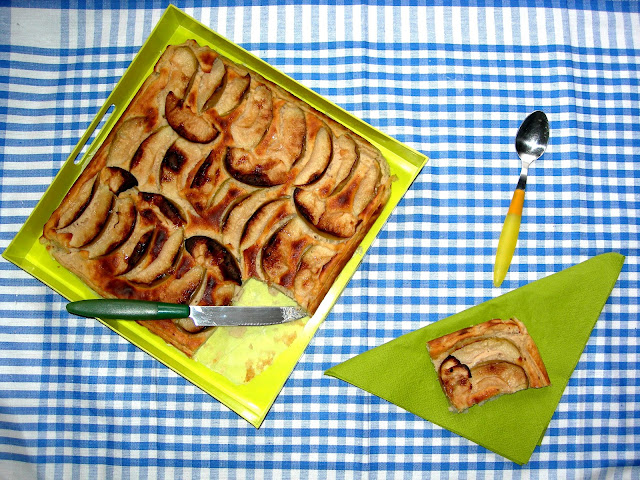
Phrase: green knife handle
(127,309)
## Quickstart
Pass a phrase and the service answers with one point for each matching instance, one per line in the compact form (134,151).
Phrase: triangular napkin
(559,311)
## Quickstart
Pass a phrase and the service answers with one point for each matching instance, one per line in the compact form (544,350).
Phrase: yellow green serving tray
(251,400)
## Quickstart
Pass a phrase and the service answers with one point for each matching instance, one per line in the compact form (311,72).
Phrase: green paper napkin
(559,311)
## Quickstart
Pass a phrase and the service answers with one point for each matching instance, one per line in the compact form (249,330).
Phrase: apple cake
(214,175)
(480,362)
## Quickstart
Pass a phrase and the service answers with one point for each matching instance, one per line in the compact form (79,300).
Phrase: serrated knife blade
(202,316)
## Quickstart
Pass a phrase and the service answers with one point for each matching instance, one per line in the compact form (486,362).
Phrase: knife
(202,316)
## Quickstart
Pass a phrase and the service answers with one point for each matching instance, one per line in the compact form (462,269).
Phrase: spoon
(531,142)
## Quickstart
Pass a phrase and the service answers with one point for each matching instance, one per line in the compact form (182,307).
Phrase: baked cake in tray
(214,175)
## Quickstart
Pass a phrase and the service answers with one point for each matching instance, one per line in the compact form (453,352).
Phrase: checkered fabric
(453,81)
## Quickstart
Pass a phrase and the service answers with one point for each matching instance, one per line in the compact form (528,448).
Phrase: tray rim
(170,22)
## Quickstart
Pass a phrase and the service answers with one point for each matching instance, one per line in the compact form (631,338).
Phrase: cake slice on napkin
(493,358)
(560,312)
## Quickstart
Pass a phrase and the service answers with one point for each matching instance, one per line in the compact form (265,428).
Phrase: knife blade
(202,316)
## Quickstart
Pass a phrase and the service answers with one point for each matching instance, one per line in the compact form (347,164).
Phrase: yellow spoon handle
(508,237)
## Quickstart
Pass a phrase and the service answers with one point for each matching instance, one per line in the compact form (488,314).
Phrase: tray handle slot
(83,150)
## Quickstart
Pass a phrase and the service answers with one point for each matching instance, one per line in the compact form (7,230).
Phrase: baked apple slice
(180,160)
(216,291)
(181,102)
(75,205)
(160,258)
(310,277)
(318,159)
(184,66)
(193,126)
(345,155)
(235,220)
(212,255)
(228,195)
(92,220)
(162,206)
(206,57)
(178,287)
(338,214)
(250,126)
(270,163)
(469,386)
(282,253)
(117,179)
(145,164)
(230,93)
(126,141)
(205,179)
(209,82)
(258,229)
(126,256)
(246,168)
(368,177)
(286,143)
(119,227)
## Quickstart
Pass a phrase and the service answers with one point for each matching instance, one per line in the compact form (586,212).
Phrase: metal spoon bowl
(531,142)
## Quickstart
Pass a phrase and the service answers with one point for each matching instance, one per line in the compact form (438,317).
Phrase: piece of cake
(480,362)
(214,175)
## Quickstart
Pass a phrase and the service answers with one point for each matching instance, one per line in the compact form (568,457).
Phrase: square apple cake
(214,175)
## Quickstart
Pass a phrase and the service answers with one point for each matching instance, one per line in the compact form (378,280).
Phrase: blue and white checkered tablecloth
(77,401)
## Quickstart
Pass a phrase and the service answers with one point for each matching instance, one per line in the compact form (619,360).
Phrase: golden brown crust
(477,363)
(214,175)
